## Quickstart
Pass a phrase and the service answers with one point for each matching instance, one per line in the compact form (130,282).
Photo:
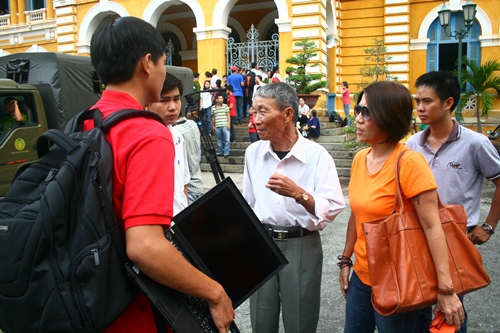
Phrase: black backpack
(62,249)
(335,117)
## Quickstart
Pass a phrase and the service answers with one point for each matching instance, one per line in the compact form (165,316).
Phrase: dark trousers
(232,135)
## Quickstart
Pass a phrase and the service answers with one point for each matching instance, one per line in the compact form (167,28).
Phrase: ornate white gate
(264,53)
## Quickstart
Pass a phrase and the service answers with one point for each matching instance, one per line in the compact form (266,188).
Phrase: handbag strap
(398,199)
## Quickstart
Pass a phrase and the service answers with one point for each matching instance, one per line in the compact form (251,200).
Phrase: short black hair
(253,65)
(391,106)
(229,87)
(345,84)
(444,84)
(214,71)
(9,99)
(196,74)
(171,82)
(118,44)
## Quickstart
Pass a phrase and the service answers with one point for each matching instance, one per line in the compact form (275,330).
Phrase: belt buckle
(281,235)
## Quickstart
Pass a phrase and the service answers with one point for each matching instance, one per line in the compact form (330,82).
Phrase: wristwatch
(305,197)
(488,228)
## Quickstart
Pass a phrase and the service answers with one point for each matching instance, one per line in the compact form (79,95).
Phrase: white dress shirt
(181,170)
(310,166)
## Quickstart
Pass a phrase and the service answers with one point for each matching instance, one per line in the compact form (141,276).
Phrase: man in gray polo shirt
(458,157)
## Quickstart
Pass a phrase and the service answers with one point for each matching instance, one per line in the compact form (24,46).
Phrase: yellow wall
(359,21)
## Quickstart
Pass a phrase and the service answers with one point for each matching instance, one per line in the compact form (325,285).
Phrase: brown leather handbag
(402,273)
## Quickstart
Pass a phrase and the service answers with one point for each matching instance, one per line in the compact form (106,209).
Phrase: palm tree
(483,84)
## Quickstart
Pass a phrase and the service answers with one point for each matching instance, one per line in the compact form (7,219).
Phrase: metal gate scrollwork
(170,52)
(264,53)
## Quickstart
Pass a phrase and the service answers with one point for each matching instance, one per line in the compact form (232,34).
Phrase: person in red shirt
(231,104)
(252,129)
(128,55)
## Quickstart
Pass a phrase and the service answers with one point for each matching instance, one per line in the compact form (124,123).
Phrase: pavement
(481,305)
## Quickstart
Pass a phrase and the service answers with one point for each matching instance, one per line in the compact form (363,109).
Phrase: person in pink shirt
(346,100)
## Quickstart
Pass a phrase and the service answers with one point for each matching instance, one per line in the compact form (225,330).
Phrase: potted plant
(303,82)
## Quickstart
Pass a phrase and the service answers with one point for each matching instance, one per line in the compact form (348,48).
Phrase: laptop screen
(230,240)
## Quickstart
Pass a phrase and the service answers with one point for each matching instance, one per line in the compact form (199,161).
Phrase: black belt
(283,233)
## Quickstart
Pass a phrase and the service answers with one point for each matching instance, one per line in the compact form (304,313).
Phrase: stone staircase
(331,138)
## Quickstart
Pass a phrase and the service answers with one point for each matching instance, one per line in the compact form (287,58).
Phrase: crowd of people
(242,85)
(290,182)
(238,91)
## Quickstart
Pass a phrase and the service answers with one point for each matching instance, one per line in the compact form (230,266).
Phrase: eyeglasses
(363,110)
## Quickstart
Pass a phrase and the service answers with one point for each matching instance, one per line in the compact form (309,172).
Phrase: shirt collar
(298,150)
(454,135)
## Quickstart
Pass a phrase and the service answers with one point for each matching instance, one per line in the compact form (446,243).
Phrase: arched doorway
(442,50)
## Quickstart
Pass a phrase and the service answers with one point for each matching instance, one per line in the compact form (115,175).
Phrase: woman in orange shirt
(383,117)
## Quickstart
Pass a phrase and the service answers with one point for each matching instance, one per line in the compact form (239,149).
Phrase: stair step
(332,139)
(231,159)
(343,163)
(344,172)
(229,168)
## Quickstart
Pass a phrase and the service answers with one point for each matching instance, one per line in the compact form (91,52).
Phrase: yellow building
(206,34)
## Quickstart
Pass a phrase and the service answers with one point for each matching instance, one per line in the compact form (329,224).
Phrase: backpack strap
(56,137)
(121,115)
(75,124)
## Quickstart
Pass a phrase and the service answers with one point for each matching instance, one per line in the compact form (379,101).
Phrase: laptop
(220,235)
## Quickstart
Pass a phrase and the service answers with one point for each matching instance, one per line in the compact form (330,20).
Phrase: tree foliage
(484,85)
(303,82)
(377,55)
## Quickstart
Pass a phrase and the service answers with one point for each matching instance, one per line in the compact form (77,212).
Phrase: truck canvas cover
(67,83)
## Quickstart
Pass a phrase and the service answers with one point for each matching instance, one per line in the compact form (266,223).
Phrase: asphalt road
(481,305)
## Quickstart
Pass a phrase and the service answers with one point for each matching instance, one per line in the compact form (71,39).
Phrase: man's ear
(145,63)
(448,103)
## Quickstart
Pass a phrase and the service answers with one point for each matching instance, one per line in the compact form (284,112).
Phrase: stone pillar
(309,20)
(397,38)
(286,42)
(13,12)
(67,30)
(21,8)
(212,43)
(50,9)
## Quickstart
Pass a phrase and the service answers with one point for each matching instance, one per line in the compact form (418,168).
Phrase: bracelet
(344,262)
(446,291)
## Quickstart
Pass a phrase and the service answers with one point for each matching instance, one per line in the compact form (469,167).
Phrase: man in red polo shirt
(128,55)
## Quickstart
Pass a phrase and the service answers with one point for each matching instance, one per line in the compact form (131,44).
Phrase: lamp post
(469,11)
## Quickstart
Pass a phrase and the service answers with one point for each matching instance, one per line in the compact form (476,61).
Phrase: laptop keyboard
(200,310)
(199,307)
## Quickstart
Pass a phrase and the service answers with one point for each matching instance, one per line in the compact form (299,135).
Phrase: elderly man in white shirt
(293,187)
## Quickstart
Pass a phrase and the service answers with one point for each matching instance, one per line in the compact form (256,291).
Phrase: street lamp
(469,11)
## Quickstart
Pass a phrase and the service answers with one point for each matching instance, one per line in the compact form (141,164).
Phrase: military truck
(50,88)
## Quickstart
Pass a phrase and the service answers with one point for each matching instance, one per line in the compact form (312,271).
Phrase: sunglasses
(363,110)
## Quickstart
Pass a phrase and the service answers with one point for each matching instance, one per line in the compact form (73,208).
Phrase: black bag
(344,122)
(335,117)
(62,249)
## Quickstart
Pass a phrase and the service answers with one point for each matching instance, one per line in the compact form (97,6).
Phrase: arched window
(442,51)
